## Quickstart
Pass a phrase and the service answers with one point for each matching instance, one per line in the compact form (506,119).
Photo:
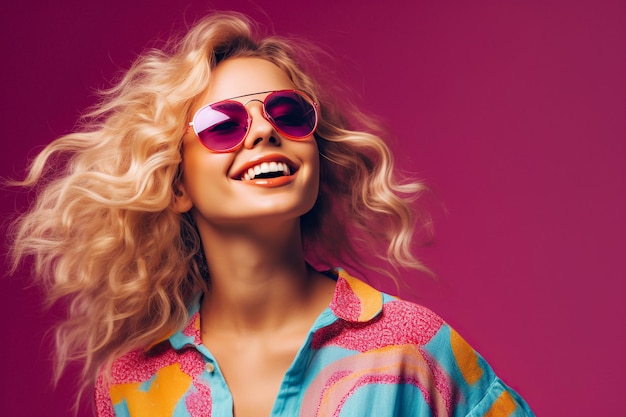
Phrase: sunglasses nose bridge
(263,113)
(251,100)
(260,128)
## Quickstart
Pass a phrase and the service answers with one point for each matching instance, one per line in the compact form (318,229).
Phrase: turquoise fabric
(368,354)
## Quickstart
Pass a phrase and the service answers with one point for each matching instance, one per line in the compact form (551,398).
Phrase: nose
(261,130)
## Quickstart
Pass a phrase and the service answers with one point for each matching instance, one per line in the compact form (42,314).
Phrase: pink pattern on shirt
(399,323)
(140,366)
(103,399)
(400,364)
(200,403)
(443,382)
(385,379)
(346,301)
(330,382)
(193,329)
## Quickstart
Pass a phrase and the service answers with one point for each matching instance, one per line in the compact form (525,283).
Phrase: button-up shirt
(367,354)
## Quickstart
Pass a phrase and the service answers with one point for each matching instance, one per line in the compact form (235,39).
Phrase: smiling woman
(245,142)
(192,225)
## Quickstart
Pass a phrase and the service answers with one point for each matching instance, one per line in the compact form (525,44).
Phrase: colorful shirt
(367,354)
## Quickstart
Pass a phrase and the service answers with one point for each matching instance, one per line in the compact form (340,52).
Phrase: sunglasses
(223,126)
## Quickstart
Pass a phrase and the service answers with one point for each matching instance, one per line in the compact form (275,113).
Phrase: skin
(263,297)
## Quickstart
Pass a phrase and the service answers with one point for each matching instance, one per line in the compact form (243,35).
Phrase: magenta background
(513,113)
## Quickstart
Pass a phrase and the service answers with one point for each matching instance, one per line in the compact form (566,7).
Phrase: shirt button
(209,367)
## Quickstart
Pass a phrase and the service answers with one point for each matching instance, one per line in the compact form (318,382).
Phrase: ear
(182,202)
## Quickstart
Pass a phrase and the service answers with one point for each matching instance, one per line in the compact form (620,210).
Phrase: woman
(188,263)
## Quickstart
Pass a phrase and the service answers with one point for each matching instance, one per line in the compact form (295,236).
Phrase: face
(218,187)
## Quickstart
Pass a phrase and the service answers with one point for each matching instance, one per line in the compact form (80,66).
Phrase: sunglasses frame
(265,116)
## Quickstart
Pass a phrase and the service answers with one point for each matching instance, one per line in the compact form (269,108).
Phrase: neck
(258,276)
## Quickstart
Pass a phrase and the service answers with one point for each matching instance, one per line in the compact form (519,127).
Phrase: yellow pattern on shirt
(466,358)
(166,390)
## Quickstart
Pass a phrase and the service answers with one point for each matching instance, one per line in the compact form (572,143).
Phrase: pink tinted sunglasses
(223,126)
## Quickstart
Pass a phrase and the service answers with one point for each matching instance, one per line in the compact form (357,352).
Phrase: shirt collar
(353,301)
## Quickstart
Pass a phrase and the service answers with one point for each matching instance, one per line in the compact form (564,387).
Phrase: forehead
(238,76)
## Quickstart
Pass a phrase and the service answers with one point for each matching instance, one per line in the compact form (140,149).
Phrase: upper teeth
(264,168)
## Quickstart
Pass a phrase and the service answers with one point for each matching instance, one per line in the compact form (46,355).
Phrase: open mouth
(266,170)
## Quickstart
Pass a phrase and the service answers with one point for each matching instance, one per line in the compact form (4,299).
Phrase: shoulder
(419,345)
(384,322)
(463,377)
(397,323)
(378,318)
(412,323)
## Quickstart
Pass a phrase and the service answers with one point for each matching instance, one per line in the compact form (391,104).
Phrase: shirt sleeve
(501,401)
(478,391)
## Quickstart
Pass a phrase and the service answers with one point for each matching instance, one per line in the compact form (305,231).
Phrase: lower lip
(271,182)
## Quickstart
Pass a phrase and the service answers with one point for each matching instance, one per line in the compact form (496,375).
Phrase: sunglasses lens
(291,113)
(221,126)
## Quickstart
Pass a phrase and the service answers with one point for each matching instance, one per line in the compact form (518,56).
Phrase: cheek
(312,190)
(202,172)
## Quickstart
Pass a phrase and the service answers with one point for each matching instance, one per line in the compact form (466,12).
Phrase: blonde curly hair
(103,231)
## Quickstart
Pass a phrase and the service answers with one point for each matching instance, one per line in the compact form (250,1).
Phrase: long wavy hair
(103,232)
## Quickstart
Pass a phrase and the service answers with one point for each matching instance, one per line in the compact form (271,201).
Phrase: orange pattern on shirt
(504,406)
(166,390)
(466,358)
